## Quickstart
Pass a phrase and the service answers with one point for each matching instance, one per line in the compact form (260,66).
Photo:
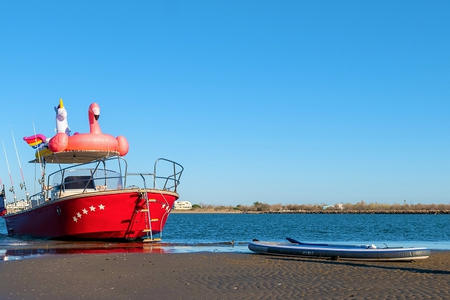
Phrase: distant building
(182,205)
(17,206)
(339,206)
(327,207)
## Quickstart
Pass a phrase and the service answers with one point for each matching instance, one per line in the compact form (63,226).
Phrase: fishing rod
(41,181)
(11,189)
(23,185)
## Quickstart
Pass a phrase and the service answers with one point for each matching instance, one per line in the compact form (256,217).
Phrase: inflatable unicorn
(40,141)
(61,119)
(95,140)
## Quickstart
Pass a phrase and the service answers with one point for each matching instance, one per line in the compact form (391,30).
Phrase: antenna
(23,185)
(11,189)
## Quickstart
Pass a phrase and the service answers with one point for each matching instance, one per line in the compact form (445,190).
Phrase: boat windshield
(87,179)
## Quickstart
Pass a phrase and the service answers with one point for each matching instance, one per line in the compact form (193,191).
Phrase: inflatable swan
(95,140)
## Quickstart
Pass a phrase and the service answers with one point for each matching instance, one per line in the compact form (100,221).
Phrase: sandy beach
(221,276)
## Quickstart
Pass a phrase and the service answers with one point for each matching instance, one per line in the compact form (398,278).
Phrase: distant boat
(2,202)
(347,252)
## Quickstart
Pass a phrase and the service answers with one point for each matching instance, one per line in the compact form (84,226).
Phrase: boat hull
(340,251)
(118,214)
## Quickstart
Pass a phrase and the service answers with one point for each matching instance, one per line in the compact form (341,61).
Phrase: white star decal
(101,206)
(85,211)
(92,208)
(75,219)
(163,205)
(78,215)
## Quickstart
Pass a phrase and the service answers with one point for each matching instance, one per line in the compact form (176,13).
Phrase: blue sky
(272,101)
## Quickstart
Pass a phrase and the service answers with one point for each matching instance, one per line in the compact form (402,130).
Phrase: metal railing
(174,178)
(169,182)
(166,182)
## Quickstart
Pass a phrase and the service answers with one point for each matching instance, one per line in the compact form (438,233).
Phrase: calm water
(214,232)
(422,230)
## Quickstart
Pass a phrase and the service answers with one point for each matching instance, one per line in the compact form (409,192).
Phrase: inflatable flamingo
(95,140)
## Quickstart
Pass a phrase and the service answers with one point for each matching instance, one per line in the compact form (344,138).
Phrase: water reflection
(40,248)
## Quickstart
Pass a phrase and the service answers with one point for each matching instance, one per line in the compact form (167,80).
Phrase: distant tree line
(359,207)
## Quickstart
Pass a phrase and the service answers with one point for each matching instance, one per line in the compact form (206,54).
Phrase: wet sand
(220,276)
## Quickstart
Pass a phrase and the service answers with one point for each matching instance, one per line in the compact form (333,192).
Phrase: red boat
(91,195)
(90,199)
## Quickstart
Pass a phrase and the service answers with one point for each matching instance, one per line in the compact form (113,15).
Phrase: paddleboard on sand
(348,252)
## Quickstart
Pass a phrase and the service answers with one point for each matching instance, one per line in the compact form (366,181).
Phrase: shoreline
(324,212)
(221,276)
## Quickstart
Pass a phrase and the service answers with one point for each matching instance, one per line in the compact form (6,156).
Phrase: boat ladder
(149,238)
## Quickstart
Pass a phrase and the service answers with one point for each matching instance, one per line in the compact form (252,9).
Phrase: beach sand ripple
(221,276)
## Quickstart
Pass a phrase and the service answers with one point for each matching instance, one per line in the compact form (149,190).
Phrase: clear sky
(270,101)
